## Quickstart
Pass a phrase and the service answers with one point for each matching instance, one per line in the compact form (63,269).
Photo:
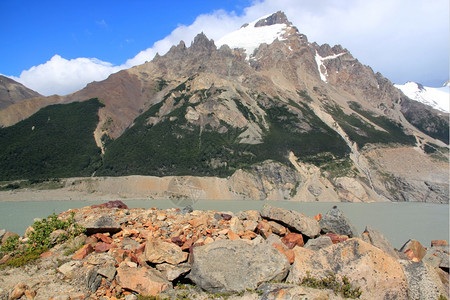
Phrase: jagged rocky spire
(276,18)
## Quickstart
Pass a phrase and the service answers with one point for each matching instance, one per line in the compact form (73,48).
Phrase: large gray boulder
(227,266)
(334,221)
(379,275)
(292,219)
(423,281)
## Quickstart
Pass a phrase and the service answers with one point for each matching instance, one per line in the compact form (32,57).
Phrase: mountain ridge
(222,111)
(12,92)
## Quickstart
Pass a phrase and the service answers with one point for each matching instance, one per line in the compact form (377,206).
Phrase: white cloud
(403,39)
(62,76)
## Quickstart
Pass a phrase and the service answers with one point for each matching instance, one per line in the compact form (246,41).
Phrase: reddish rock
(30,294)
(119,254)
(177,241)
(145,281)
(336,238)
(102,237)
(112,204)
(103,247)
(318,217)
(83,252)
(293,239)
(233,236)
(264,229)
(290,255)
(436,243)
(46,254)
(187,244)
(226,217)
(248,235)
(413,250)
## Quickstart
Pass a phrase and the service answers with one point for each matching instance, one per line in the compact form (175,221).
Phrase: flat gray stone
(318,243)
(103,224)
(292,219)
(227,266)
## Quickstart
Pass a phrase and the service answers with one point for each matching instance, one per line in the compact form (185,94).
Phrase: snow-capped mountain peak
(263,30)
(438,98)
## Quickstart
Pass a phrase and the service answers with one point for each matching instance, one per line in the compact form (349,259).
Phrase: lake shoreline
(398,221)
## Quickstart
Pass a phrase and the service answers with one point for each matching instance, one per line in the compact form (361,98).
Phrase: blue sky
(60,46)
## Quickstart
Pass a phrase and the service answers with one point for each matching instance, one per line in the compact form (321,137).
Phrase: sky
(57,47)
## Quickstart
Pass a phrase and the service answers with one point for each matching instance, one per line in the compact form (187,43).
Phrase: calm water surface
(397,221)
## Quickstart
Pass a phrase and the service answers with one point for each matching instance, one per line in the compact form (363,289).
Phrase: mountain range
(275,115)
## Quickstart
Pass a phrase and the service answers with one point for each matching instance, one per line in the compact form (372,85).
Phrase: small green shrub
(39,239)
(10,245)
(342,286)
(24,259)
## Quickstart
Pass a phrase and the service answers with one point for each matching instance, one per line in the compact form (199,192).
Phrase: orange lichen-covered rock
(83,252)
(293,239)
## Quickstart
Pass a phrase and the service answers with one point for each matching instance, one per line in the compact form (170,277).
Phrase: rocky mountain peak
(276,18)
(201,42)
(264,30)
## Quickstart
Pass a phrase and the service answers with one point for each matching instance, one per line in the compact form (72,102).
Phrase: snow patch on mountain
(321,66)
(438,98)
(249,37)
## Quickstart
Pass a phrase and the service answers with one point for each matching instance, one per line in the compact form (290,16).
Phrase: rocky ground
(184,254)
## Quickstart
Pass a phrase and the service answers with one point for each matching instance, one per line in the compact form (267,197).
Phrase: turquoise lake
(397,221)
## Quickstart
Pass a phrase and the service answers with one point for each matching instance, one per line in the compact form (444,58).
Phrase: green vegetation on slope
(286,134)
(57,141)
(173,146)
(363,133)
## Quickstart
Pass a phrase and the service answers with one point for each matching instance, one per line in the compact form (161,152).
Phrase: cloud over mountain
(394,37)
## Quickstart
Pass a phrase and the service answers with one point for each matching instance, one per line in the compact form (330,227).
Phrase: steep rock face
(408,174)
(12,92)
(433,123)
(268,181)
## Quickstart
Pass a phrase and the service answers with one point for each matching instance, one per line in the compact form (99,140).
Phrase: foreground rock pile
(184,254)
